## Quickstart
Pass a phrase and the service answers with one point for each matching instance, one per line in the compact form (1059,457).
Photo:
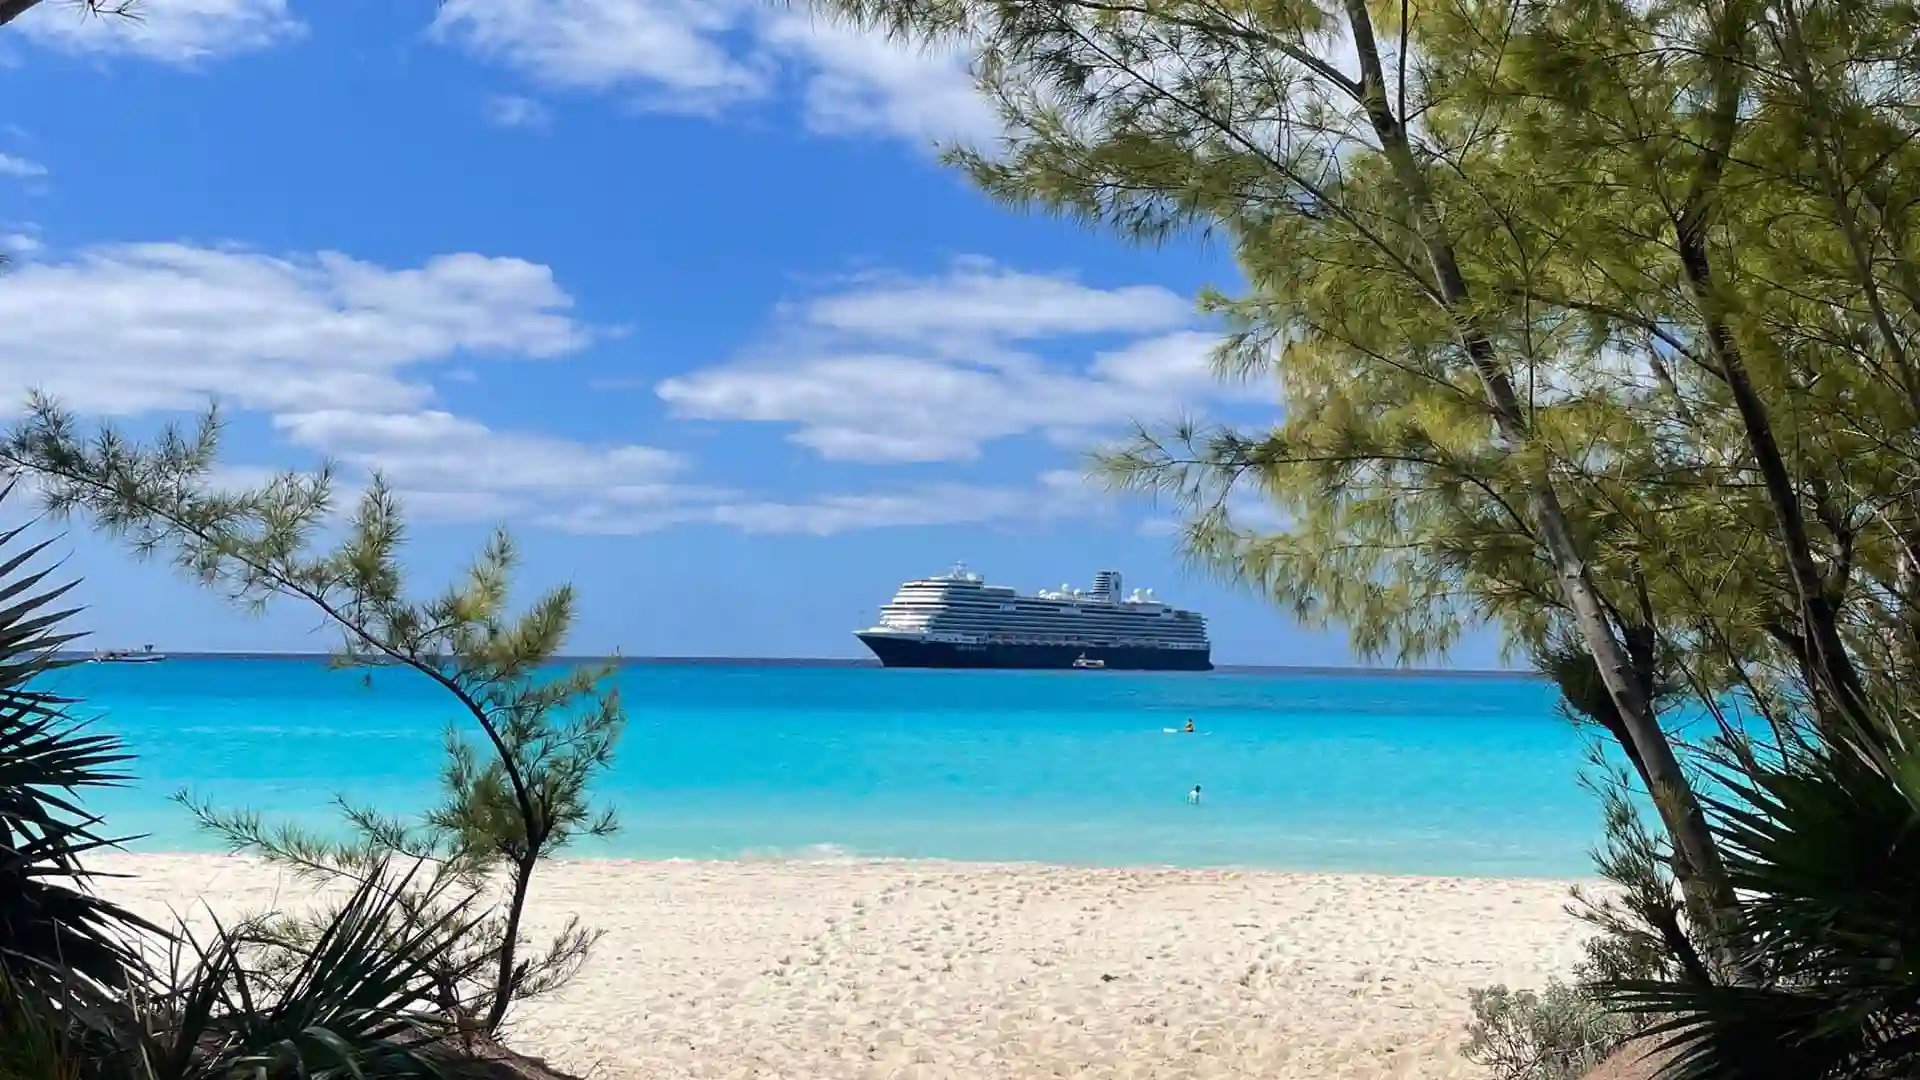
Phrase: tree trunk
(1673,794)
(1907,583)
(506,978)
(1818,617)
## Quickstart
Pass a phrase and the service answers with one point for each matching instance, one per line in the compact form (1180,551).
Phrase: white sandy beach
(857,970)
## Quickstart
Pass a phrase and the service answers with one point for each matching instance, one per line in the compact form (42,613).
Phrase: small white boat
(128,656)
(1085,664)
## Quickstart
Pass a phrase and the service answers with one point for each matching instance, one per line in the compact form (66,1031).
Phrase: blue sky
(675,288)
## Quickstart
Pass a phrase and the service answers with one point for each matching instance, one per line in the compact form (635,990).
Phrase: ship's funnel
(1106,586)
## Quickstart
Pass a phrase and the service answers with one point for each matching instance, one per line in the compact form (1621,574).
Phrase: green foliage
(52,927)
(89,991)
(1547,151)
(357,999)
(510,799)
(1823,846)
(1643,929)
(1408,514)
(1559,1033)
(1597,320)
(33,1044)
(1640,933)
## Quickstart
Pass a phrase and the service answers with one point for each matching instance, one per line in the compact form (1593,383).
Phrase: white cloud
(437,451)
(900,408)
(167,31)
(1052,497)
(978,299)
(1247,509)
(338,352)
(1176,362)
(706,56)
(904,370)
(514,111)
(447,467)
(859,83)
(870,407)
(20,168)
(335,350)
(137,327)
(940,504)
(671,53)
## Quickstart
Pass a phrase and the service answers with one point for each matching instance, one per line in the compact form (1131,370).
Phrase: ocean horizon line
(1349,670)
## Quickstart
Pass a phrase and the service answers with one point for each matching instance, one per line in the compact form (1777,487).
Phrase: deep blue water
(1454,775)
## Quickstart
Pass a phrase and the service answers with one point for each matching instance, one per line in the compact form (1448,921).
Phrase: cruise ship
(957,620)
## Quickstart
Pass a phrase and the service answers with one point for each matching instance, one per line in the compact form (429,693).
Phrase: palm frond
(1823,847)
(52,927)
(360,999)
(34,1043)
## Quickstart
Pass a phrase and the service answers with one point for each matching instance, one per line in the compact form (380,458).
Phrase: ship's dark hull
(901,652)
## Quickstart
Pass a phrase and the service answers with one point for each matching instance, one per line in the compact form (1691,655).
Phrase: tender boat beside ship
(957,620)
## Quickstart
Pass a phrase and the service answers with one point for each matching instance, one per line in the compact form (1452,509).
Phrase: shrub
(1641,933)
(1559,1033)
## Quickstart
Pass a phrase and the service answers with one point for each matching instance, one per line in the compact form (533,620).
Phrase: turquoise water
(1454,775)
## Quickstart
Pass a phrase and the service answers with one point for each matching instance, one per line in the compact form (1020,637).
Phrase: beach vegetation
(1821,844)
(1430,414)
(1640,935)
(1559,1032)
(54,929)
(1594,321)
(515,786)
(89,990)
(358,999)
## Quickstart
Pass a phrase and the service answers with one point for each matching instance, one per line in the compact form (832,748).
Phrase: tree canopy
(1592,319)
(512,796)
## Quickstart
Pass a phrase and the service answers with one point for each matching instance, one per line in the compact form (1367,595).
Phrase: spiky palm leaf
(1825,850)
(34,1043)
(359,1000)
(52,928)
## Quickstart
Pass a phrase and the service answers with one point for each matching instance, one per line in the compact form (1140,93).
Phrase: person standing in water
(1193,797)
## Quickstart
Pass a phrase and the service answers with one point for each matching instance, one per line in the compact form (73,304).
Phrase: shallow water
(1415,774)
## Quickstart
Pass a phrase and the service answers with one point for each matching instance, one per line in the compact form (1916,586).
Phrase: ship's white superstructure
(960,611)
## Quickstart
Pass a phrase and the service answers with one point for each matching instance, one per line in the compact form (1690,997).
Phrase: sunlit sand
(848,969)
